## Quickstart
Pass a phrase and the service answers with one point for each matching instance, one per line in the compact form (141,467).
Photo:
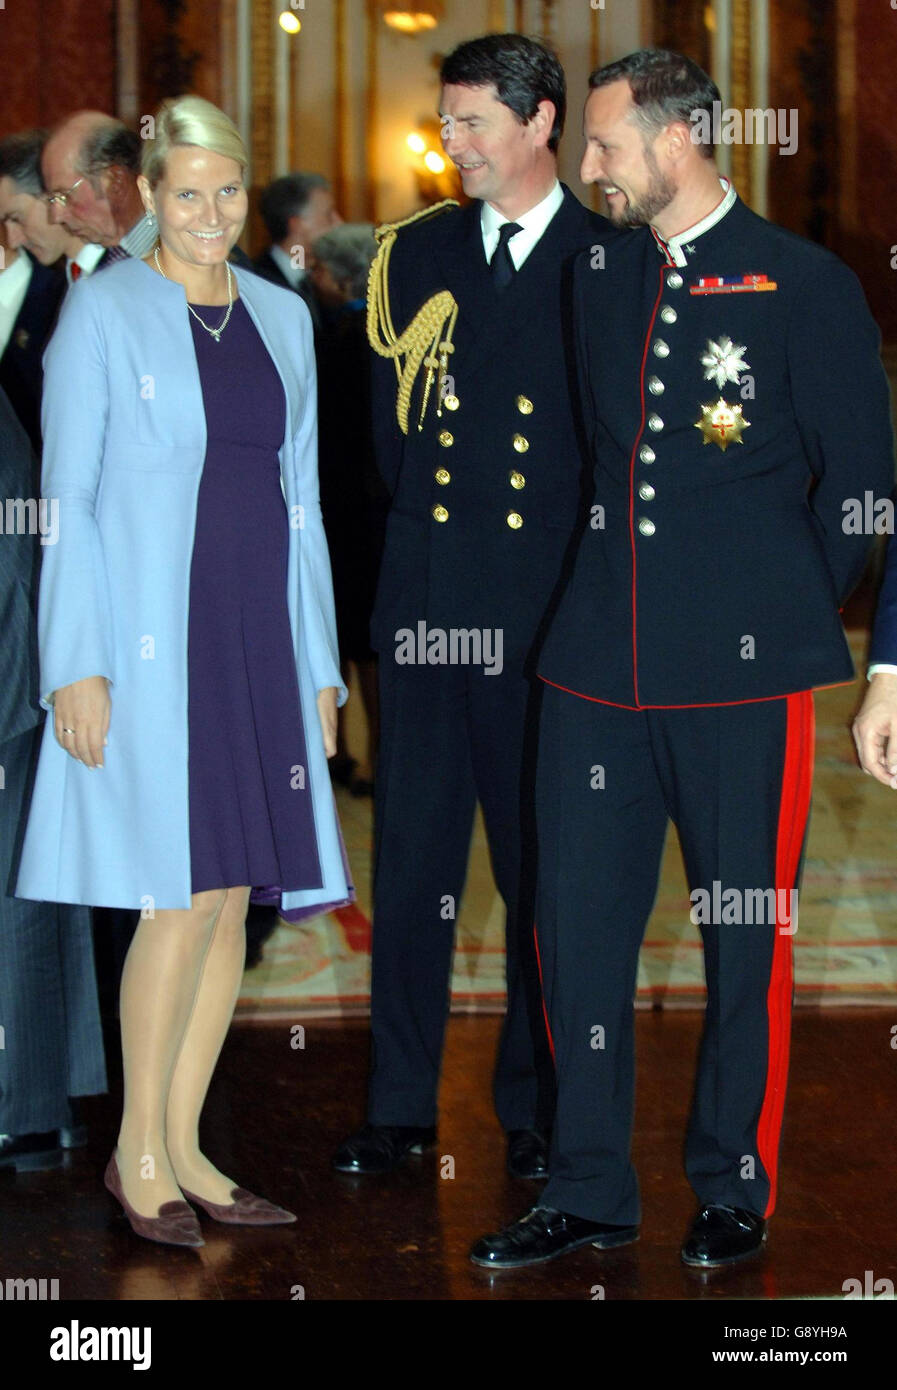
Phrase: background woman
(188,644)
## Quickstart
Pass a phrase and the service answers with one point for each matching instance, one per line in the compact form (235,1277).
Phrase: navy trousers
(452,735)
(735,780)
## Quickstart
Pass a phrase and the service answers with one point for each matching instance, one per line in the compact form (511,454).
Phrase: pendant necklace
(213,332)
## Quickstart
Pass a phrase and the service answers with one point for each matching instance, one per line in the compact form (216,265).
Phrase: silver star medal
(723,362)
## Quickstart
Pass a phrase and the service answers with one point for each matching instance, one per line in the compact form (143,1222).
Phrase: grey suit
(51,1044)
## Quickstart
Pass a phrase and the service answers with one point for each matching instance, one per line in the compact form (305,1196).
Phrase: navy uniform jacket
(717,576)
(505,469)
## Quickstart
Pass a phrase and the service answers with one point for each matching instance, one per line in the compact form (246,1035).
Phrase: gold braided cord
(428,338)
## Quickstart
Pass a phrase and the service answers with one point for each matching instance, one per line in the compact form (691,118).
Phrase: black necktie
(501,265)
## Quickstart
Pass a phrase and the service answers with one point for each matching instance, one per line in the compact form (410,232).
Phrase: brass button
(646,492)
(646,526)
(524,405)
(514,520)
(655,423)
(668,314)
(521,443)
(660,348)
(647,454)
(446,439)
(656,386)
(451,402)
(675,281)
(442,476)
(517,479)
(440,512)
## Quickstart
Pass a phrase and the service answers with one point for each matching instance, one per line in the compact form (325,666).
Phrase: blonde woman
(188,646)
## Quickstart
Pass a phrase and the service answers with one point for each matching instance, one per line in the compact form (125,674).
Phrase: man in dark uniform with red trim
(734,400)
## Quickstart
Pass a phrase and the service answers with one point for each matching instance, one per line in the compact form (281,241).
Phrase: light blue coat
(124,444)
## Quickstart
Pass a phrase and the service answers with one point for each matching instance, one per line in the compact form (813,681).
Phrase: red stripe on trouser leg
(542,992)
(797,782)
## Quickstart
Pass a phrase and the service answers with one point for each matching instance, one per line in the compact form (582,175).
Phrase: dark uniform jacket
(716,576)
(484,499)
(21,368)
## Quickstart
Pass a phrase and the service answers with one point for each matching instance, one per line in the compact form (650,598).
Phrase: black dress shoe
(542,1235)
(74,1135)
(30,1153)
(380,1148)
(721,1235)
(528,1154)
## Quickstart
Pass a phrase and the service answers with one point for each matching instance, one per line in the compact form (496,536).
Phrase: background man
(52,1042)
(24,208)
(90,165)
(728,369)
(296,209)
(486,495)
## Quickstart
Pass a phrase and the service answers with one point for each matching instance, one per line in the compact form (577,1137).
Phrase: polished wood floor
(275,1114)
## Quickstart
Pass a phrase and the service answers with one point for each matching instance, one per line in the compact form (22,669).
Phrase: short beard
(659,194)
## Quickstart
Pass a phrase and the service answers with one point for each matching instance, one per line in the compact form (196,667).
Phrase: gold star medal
(722,424)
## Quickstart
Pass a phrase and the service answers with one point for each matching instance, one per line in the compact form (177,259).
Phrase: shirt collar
(140,240)
(536,220)
(16,278)
(86,260)
(676,246)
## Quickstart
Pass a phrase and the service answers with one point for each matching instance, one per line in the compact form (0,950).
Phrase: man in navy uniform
(734,400)
(477,444)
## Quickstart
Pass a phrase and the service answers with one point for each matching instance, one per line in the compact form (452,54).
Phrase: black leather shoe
(542,1235)
(528,1154)
(721,1235)
(74,1135)
(30,1153)
(380,1148)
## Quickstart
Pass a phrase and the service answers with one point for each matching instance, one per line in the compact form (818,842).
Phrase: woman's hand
(82,712)
(327,716)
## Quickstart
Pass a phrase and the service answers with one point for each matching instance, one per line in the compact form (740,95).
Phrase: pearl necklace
(213,332)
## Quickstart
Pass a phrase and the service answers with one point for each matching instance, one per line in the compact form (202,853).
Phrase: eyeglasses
(62,198)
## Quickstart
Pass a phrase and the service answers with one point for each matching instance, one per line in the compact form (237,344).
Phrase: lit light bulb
(289,22)
(416,142)
(434,162)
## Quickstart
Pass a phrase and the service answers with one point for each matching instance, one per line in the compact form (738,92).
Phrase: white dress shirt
(14,282)
(532,225)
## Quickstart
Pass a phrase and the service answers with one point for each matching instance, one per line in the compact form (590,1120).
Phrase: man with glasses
(90,165)
(25,209)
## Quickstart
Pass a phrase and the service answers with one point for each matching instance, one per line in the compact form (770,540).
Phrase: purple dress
(251,817)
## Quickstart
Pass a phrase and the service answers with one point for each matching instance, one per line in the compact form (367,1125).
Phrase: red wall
(55,59)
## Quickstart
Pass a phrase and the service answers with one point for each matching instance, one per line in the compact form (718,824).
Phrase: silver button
(675,280)
(660,348)
(655,423)
(646,492)
(655,386)
(646,526)
(668,314)
(647,454)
